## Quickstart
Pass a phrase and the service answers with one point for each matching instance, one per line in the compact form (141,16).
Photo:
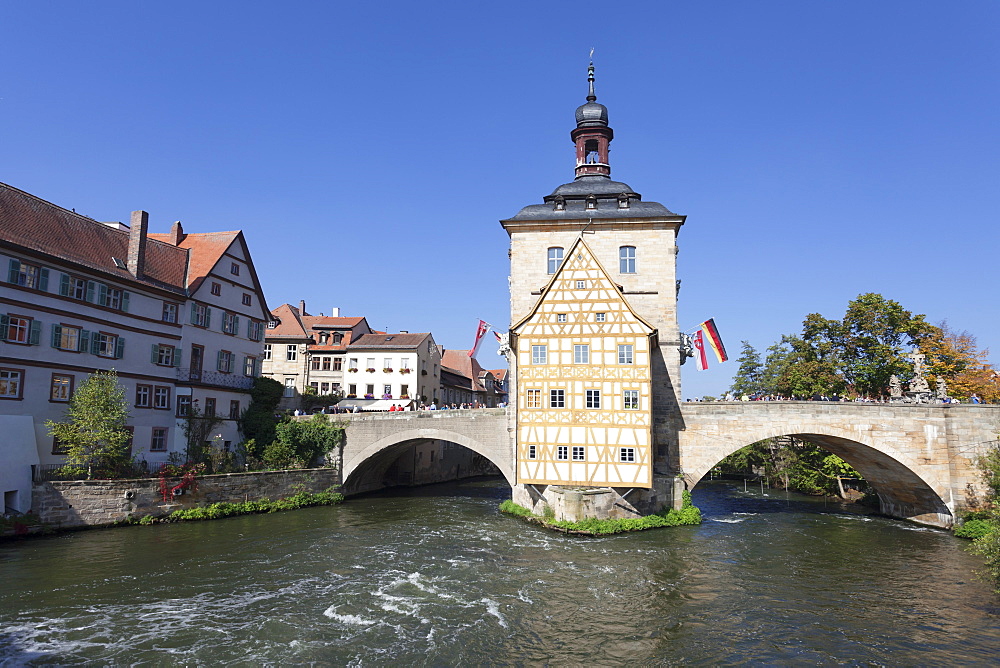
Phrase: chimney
(176,234)
(137,243)
(335,312)
(302,307)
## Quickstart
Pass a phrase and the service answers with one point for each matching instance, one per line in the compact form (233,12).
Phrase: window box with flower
(404,370)
(370,370)
(387,370)
(369,396)
(352,371)
(404,396)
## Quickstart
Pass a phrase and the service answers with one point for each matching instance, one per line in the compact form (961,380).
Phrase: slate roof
(383,341)
(32,223)
(605,190)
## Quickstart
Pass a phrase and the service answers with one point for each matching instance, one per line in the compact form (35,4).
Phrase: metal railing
(135,469)
(230,380)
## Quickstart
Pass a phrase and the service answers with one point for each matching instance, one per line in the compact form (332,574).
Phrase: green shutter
(34,333)
(95,344)
(15,270)
(119,348)
(102,294)
(177,357)
(90,291)
(56,335)
(208,317)
(84,341)
(194,313)
(4,326)
(125,296)
(64,285)
(236,325)
(218,361)
(43,279)
(154,356)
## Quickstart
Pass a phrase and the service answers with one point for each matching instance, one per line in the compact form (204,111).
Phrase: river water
(436,576)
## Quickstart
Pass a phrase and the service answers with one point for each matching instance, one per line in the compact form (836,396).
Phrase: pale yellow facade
(584,382)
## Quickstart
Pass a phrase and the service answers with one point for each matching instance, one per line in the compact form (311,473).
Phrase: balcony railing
(230,380)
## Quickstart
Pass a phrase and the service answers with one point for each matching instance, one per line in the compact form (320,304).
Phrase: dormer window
(560,202)
(323,337)
(623,201)
(591,202)
(337,338)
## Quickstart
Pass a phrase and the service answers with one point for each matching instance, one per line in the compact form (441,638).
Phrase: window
(352,364)
(291,352)
(534,399)
(201,315)
(76,288)
(387,390)
(254,330)
(324,388)
(593,398)
(249,366)
(159,442)
(11,381)
(323,336)
(230,323)
(555,257)
(630,400)
(579,453)
(234,409)
(143,396)
(65,337)
(580,285)
(626,454)
(352,390)
(625,355)
(532,452)
(327,361)
(234,269)
(112,297)
(216,289)
(387,363)
(626,259)
(107,345)
(224,362)
(267,351)
(404,391)
(581,354)
(599,317)
(370,363)
(209,406)
(183,405)
(314,386)
(19,329)
(271,324)
(169,312)
(28,275)
(557,398)
(58,447)
(562,452)
(338,363)
(539,355)
(161,397)
(62,387)
(370,390)
(165,355)
(289,387)
(337,338)
(247,300)
(314,363)
(560,317)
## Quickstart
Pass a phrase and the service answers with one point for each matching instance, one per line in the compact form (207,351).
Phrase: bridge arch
(375,457)
(906,487)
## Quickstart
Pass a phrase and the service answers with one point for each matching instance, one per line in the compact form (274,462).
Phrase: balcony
(231,381)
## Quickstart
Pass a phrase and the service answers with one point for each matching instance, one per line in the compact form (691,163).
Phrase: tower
(594,343)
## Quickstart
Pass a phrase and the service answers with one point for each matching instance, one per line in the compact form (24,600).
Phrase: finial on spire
(591,96)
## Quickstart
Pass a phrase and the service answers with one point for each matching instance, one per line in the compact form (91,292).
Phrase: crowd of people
(834,397)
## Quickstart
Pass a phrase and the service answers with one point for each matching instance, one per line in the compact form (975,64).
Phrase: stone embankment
(91,503)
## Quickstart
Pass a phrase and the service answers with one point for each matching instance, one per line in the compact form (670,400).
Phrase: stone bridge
(920,458)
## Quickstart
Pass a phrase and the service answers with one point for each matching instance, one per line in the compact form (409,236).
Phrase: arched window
(555,258)
(337,338)
(626,259)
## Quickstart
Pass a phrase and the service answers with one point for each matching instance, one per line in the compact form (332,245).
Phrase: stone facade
(90,503)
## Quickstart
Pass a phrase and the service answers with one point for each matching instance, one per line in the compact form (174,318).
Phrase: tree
(747,378)
(198,429)
(258,421)
(301,443)
(955,357)
(94,432)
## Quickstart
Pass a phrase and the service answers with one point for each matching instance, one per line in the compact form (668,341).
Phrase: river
(436,576)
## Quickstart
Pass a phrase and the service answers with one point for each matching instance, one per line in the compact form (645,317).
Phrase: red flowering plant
(187,473)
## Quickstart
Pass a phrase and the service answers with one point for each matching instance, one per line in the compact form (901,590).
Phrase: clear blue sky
(819,149)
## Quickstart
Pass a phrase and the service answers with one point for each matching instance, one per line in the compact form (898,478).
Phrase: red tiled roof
(206,250)
(499,374)
(289,324)
(458,361)
(33,223)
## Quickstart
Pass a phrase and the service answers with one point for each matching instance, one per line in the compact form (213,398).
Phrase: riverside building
(179,316)
(594,347)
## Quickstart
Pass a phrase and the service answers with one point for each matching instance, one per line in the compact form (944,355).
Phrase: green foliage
(219,510)
(986,521)
(687,515)
(303,442)
(748,378)
(258,421)
(973,529)
(198,434)
(791,464)
(93,431)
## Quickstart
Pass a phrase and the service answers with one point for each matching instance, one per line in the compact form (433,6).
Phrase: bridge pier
(573,503)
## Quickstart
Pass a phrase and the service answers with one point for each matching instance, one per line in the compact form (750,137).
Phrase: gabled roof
(383,341)
(330,322)
(206,249)
(499,374)
(459,362)
(34,224)
(289,324)
(581,259)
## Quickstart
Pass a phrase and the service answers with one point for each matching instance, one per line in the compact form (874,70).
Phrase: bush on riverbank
(688,514)
(219,510)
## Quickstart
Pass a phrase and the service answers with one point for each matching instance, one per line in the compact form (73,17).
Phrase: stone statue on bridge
(941,391)
(895,388)
(919,390)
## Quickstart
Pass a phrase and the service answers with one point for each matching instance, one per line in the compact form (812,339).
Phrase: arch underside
(370,465)
(902,492)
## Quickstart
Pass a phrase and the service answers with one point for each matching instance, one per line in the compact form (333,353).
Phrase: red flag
(699,351)
(714,340)
(484,327)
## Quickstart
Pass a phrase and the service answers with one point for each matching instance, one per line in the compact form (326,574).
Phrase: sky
(819,150)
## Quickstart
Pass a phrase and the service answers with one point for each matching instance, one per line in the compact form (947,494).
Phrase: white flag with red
(699,350)
(483,330)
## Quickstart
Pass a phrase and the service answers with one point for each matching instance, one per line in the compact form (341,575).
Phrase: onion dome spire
(592,134)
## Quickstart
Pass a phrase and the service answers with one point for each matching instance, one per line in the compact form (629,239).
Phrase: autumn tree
(956,358)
